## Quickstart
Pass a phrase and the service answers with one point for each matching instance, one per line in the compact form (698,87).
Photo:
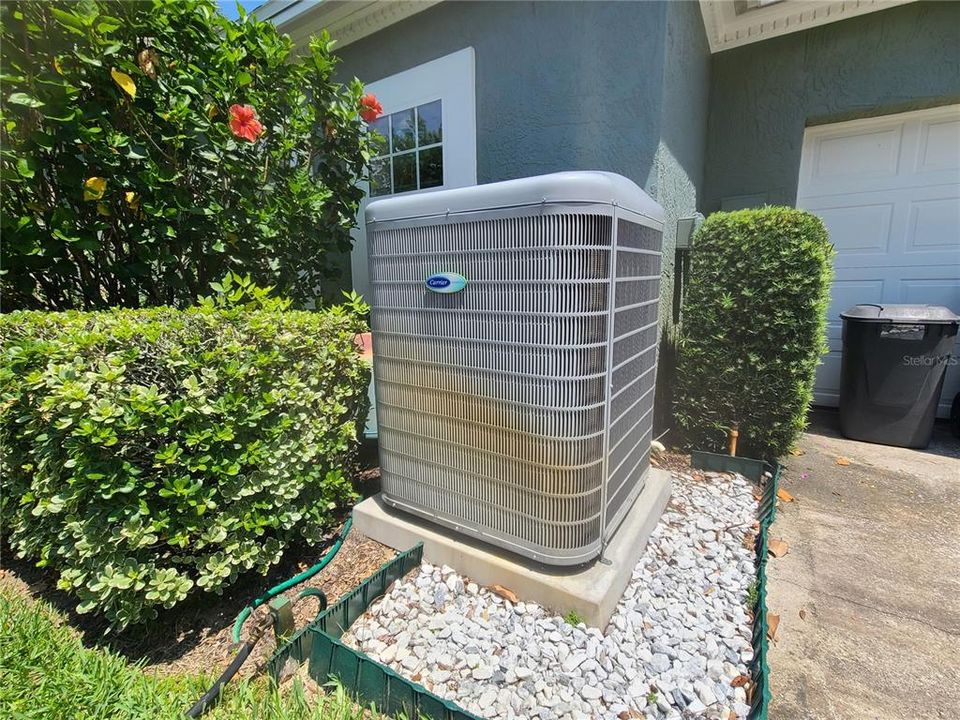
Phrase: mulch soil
(672,460)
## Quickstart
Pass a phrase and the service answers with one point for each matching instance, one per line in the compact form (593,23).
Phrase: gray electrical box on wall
(686,229)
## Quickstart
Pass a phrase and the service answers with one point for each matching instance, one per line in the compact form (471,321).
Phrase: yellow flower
(133,200)
(124,82)
(94,188)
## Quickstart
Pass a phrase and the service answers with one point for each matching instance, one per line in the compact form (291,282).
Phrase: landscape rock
(681,630)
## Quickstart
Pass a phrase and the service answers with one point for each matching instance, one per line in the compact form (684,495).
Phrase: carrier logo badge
(446,282)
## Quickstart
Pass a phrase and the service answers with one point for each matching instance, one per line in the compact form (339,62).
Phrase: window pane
(429,123)
(404,172)
(403,130)
(382,126)
(431,167)
(380,177)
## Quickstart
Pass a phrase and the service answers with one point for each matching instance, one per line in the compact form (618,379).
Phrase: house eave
(726,29)
(346,20)
(350,20)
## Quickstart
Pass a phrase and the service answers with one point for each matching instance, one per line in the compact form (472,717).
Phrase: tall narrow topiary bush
(753,331)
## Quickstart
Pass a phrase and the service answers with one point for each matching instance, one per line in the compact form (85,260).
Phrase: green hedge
(753,331)
(147,453)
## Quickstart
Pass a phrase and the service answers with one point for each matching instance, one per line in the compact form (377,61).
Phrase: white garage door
(888,189)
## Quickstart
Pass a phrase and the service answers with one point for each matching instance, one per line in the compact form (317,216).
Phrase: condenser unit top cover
(578,188)
(515,333)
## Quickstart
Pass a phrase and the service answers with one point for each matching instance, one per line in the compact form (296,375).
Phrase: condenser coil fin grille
(518,410)
(633,378)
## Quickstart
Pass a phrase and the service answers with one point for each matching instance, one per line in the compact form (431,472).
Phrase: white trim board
(350,20)
(727,29)
(346,20)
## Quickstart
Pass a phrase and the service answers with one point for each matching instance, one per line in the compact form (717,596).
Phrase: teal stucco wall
(763,95)
(677,178)
(559,86)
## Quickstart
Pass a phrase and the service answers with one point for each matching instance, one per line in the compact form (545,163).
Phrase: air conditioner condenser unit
(515,332)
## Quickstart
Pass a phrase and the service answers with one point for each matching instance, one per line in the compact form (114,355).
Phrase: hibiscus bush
(149,454)
(149,146)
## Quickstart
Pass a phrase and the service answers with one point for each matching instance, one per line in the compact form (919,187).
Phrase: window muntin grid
(413,152)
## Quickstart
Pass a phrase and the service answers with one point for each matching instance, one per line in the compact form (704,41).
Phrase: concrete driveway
(869,592)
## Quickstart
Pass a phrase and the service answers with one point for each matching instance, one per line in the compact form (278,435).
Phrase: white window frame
(451,79)
(392,153)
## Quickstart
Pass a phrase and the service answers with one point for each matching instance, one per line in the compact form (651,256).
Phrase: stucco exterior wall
(763,95)
(676,179)
(559,86)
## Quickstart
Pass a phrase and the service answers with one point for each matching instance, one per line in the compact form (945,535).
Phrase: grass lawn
(47,673)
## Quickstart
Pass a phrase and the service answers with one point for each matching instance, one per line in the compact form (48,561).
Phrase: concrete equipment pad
(591,590)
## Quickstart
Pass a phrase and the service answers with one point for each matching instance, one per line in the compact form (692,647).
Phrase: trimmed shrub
(754,321)
(146,453)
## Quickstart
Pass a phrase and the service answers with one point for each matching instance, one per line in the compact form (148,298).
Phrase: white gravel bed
(677,639)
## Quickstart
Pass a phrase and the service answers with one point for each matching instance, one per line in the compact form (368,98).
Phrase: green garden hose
(295,580)
(211,696)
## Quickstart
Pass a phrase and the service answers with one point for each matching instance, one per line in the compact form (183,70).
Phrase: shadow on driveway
(869,593)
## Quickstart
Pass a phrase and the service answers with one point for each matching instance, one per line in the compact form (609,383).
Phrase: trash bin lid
(930,314)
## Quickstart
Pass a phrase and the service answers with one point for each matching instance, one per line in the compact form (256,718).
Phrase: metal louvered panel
(633,377)
(519,409)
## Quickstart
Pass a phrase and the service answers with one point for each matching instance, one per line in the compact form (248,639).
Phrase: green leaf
(87,59)
(20,98)
(70,21)
(24,168)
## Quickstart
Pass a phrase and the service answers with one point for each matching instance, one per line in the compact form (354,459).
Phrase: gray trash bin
(894,361)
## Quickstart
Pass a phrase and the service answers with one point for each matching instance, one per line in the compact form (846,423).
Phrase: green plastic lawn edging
(714,462)
(365,679)
(766,512)
(760,670)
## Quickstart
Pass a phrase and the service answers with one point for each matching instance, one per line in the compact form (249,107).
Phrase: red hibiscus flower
(244,123)
(370,107)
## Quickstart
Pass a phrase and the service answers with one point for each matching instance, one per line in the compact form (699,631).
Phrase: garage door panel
(859,229)
(892,152)
(942,290)
(827,384)
(894,221)
(845,294)
(845,157)
(928,218)
(939,146)
(910,226)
